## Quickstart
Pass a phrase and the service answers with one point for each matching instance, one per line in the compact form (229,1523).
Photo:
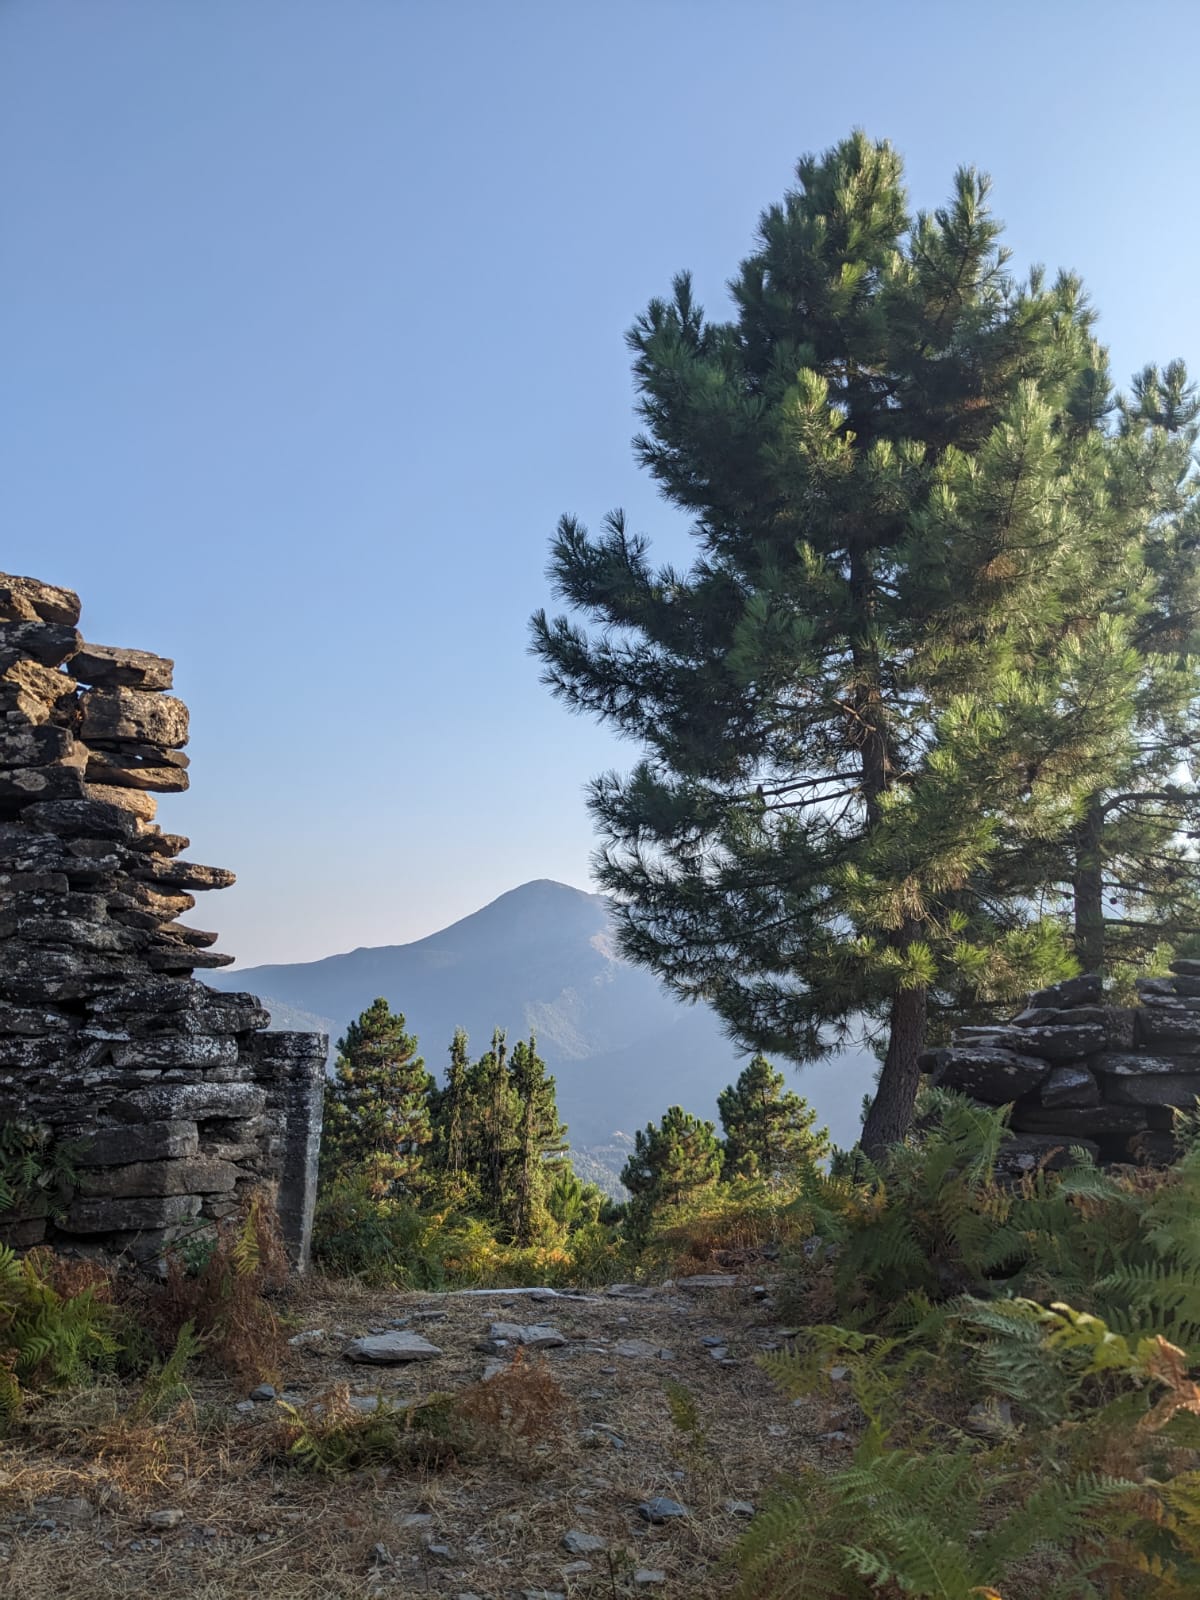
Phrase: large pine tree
(894,462)
(377,1105)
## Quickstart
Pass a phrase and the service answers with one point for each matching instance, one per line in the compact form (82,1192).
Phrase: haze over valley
(543,959)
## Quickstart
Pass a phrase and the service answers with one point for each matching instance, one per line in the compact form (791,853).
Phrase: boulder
(47,643)
(106,666)
(1173,1025)
(1063,1043)
(1079,1122)
(1178,1089)
(1087,989)
(171,1175)
(994,1075)
(109,714)
(138,802)
(1071,1085)
(112,1215)
(147,1141)
(109,769)
(28,600)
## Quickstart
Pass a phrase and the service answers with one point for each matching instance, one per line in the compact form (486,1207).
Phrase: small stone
(634,1349)
(739,1508)
(417,1519)
(244,1406)
(381,1556)
(576,1543)
(533,1336)
(576,1569)
(386,1349)
(169,1518)
(661,1509)
(309,1337)
(644,1577)
(440,1552)
(366,1403)
(719,1352)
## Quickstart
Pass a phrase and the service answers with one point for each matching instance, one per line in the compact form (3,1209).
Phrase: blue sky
(312,321)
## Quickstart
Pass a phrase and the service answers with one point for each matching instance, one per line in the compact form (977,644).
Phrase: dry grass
(541,1463)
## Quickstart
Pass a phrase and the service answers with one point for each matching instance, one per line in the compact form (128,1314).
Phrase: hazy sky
(311,326)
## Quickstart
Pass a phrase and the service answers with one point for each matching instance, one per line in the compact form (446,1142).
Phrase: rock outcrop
(1082,1073)
(169,1095)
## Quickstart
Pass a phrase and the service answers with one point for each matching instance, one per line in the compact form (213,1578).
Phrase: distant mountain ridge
(542,958)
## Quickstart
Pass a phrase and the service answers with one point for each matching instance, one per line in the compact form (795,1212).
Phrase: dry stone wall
(170,1095)
(1080,1072)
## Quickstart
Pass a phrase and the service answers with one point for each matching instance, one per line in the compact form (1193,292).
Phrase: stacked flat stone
(172,1097)
(1079,1072)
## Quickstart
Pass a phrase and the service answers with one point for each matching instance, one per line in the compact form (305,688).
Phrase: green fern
(46,1339)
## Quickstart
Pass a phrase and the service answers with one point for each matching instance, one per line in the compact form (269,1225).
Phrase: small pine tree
(672,1159)
(769,1131)
(377,1105)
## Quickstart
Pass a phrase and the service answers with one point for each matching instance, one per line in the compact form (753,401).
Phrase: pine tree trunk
(1089,889)
(891,1110)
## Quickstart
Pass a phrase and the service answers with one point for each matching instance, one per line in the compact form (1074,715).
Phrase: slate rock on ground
(532,1335)
(661,1509)
(385,1349)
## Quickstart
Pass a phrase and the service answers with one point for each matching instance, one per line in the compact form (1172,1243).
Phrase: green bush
(383,1242)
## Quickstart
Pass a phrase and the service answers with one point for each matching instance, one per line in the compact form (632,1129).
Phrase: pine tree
(540,1145)
(452,1110)
(377,1105)
(769,1131)
(492,1125)
(894,463)
(672,1159)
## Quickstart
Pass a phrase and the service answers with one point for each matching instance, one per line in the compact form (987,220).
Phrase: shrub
(224,1301)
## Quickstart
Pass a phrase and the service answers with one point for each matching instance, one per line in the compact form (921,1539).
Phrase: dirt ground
(204,1507)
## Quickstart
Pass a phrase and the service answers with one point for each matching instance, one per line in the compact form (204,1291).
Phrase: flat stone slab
(577,1543)
(388,1349)
(988,1073)
(532,1335)
(640,1350)
(1088,989)
(1070,1086)
(111,667)
(708,1280)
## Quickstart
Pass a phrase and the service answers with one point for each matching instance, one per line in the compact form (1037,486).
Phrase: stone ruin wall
(172,1097)
(1080,1072)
